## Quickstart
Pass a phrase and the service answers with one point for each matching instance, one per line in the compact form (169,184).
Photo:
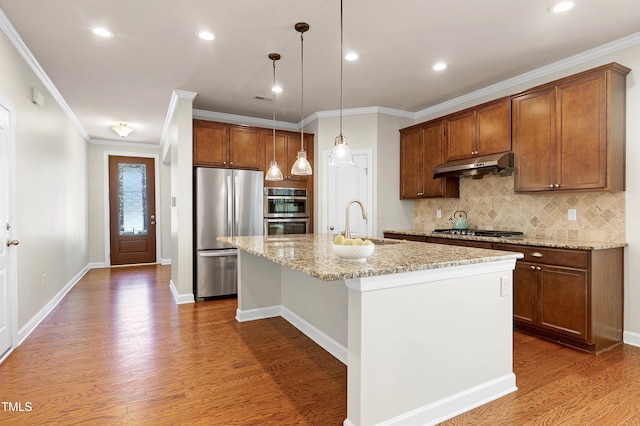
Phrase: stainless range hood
(497,164)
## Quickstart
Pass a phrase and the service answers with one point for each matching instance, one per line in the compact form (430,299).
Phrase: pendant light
(301,167)
(341,155)
(274,172)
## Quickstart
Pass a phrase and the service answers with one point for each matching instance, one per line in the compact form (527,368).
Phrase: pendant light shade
(274,172)
(301,167)
(341,155)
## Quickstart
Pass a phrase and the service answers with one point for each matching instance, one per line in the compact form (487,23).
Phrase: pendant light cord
(274,110)
(302,91)
(341,55)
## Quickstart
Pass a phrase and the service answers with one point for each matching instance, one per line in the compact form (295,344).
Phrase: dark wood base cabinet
(574,297)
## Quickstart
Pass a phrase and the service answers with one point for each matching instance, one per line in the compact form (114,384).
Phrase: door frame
(370,207)
(12,275)
(106,227)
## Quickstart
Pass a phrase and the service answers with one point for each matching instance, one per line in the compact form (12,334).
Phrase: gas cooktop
(479,232)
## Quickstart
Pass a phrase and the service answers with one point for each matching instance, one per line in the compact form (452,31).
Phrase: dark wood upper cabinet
(481,130)
(569,134)
(221,145)
(421,149)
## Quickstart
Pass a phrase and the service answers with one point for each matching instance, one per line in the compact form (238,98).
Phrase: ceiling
(131,77)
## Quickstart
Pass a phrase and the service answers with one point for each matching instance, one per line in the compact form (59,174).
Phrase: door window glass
(132,190)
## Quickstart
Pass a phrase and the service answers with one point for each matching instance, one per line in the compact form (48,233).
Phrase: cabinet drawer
(420,238)
(560,257)
(463,243)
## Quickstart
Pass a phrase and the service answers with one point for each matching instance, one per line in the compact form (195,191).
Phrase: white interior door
(348,183)
(6,243)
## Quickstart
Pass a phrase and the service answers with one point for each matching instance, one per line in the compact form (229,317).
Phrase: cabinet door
(525,293)
(244,148)
(582,149)
(432,155)
(210,145)
(534,140)
(460,135)
(411,164)
(562,301)
(494,127)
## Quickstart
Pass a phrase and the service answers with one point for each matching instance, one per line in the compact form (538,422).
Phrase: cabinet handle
(551,185)
(557,185)
(533,267)
(536,254)
(232,163)
(224,162)
(538,268)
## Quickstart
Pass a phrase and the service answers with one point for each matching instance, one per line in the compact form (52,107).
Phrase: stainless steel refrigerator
(227,203)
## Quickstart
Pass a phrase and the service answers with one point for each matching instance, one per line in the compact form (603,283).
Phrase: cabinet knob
(224,162)
(232,163)
(533,267)
(536,254)
(557,185)
(538,268)
(550,185)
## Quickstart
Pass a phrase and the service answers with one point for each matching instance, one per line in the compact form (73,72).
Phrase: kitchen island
(424,329)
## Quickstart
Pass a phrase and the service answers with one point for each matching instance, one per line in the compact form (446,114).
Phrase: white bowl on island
(352,250)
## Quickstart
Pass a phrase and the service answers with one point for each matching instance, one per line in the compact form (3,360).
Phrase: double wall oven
(286,211)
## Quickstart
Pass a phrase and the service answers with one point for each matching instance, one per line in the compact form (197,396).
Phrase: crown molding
(26,54)
(242,119)
(112,142)
(563,64)
(175,96)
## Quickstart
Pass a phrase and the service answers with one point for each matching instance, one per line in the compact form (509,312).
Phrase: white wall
(51,189)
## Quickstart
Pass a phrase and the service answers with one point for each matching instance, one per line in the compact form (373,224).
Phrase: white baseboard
(97,265)
(453,405)
(165,261)
(259,313)
(327,343)
(181,298)
(28,328)
(630,338)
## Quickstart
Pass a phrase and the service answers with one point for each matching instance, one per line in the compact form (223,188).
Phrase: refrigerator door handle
(230,196)
(218,253)
(236,207)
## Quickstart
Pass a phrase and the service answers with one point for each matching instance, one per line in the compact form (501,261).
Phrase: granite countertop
(525,240)
(312,254)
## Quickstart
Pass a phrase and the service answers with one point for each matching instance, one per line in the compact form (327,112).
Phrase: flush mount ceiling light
(274,172)
(341,154)
(123,130)
(440,66)
(102,32)
(561,6)
(351,56)
(206,35)
(301,167)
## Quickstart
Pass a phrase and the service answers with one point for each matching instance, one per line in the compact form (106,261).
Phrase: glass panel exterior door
(132,210)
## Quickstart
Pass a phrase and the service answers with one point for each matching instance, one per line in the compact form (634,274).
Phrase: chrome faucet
(347,232)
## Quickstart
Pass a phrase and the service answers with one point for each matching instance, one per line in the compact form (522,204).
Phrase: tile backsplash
(491,203)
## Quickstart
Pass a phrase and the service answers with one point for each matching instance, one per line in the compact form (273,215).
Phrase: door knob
(331,228)
(12,243)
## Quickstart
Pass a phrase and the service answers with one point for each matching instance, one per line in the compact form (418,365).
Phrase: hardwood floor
(117,350)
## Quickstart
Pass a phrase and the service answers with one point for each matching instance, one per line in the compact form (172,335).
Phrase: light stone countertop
(313,255)
(525,240)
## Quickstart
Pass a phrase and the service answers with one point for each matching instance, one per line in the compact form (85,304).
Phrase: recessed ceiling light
(206,35)
(102,32)
(439,66)
(561,6)
(277,89)
(352,56)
